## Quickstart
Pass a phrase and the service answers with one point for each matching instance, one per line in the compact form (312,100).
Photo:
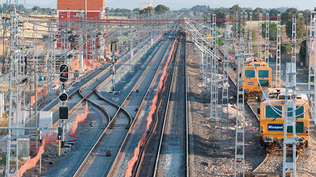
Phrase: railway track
(96,162)
(89,92)
(75,99)
(136,132)
(172,158)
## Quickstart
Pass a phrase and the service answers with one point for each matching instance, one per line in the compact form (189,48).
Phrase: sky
(178,4)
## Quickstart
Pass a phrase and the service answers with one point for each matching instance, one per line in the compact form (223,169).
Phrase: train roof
(256,60)
(279,94)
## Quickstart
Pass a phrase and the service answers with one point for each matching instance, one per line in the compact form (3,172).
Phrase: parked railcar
(272,112)
(256,73)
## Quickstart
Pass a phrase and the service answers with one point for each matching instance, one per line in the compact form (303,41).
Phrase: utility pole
(250,34)
(12,169)
(260,37)
(132,33)
(266,46)
(278,54)
(240,119)
(312,64)
(214,72)
(240,116)
(290,120)
(224,116)
(293,53)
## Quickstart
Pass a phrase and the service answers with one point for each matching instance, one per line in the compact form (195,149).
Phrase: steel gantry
(312,65)
(214,72)
(289,120)
(260,37)
(52,42)
(278,54)
(293,53)
(240,113)
(250,49)
(240,117)
(12,161)
(224,114)
(266,46)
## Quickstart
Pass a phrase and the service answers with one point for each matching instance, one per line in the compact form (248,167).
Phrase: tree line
(5,8)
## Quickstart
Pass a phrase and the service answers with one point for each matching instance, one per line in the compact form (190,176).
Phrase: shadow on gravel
(192,65)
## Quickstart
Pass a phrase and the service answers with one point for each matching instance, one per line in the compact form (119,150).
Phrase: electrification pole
(278,54)
(224,115)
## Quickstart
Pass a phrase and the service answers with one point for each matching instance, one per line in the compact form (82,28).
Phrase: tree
(302,52)
(122,10)
(147,10)
(36,8)
(257,11)
(20,7)
(220,15)
(200,8)
(315,9)
(235,8)
(272,30)
(300,28)
(136,10)
(161,9)
(274,12)
(248,10)
(292,10)
(287,15)
(286,48)
(184,10)
(306,16)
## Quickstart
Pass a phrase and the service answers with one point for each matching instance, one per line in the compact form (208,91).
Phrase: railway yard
(175,93)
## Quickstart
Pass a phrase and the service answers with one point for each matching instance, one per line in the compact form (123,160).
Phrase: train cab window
(263,83)
(299,112)
(250,74)
(263,73)
(275,113)
(299,128)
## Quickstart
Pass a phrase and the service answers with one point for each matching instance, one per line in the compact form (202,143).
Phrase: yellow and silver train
(272,112)
(257,73)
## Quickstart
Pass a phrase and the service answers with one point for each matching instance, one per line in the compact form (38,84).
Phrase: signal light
(63,112)
(63,69)
(261,129)
(63,97)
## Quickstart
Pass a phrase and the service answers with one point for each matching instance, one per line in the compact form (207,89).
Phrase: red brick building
(69,10)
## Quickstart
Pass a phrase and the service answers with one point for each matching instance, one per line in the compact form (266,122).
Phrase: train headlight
(306,130)
(261,129)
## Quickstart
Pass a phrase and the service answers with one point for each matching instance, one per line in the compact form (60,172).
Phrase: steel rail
(161,141)
(89,83)
(138,112)
(111,123)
